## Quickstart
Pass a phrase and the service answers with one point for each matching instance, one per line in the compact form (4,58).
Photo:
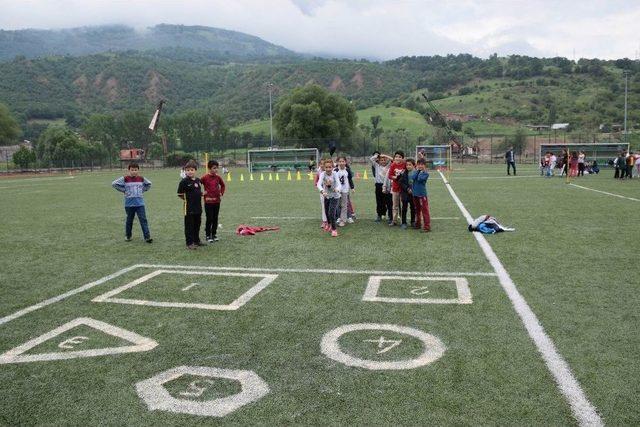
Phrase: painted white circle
(433,347)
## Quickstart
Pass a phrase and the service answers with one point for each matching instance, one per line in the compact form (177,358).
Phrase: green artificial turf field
(377,326)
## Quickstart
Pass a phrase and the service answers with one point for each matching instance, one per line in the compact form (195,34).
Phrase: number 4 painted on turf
(382,342)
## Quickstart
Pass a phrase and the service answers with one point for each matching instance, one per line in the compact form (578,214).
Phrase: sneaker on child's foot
(209,240)
(341,224)
(427,229)
(403,226)
(334,233)
(350,220)
(127,239)
(324,224)
(378,219)
(192,247)
(215,238)
(149,240)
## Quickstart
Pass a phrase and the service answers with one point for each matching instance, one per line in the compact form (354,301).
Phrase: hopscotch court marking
(88,286)
(462,288)
(140,343)
(582,409)
(157,398)
(265,280)
(433,348)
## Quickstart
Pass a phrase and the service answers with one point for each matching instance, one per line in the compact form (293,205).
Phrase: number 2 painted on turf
(382,342)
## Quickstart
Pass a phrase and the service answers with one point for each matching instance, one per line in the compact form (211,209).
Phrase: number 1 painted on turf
(186,288)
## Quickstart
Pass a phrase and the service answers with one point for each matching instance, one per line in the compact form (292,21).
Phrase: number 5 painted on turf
(196,390)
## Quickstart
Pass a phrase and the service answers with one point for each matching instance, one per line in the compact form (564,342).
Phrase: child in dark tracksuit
(406,194)
(213,191)
(190,191)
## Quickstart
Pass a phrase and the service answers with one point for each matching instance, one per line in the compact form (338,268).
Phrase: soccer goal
(601,152)
(437,156)
(282,159)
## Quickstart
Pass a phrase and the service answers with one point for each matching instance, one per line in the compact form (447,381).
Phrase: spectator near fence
(510,158)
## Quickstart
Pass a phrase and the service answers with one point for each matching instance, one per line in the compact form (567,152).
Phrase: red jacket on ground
(214,186)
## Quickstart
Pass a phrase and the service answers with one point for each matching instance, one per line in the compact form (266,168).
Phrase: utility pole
(270,88)
(626,79)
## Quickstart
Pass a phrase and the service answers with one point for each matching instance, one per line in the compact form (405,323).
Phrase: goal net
(437,156)
(601,152)
(282,159)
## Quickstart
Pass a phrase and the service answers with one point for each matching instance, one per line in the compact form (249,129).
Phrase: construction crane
(435,118)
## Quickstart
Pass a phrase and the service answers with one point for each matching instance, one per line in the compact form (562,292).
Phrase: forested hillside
(213,42)
(226,73)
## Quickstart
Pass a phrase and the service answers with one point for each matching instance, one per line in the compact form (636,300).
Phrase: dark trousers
(617,174)
(142,217)
(580,169)
(511,165)
(331,206)
(388,205)
(192,228)
(211,225)
(422,212)
(407,204)
(629,171)
(381,207)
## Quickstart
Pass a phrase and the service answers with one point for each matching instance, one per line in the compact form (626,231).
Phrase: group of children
(400,187)
(626,165)
(572,164)
(335,186)
(191,190)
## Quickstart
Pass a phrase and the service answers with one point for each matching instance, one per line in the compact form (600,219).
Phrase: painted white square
(265,280)
(461,284)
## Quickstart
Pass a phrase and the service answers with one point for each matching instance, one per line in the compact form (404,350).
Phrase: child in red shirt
(395,170)
(213,191)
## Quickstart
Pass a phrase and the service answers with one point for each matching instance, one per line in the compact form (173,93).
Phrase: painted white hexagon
(156,396)
(433,348)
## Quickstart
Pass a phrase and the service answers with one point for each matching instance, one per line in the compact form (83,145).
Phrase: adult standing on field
(510,158)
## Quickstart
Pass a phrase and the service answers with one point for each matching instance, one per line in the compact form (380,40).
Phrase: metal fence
(489,148)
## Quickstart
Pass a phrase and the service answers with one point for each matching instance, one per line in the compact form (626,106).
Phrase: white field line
(60,297)
(88,286)
(584,412)
(497,177)
(604,192)
(320,271)
(51,178)
(361,217)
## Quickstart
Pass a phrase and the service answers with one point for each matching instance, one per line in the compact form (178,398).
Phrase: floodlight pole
(270,88)
(626,79)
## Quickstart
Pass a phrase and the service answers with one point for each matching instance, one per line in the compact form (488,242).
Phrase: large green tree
(9,128)
(60,146)
(23,157)
(313,112)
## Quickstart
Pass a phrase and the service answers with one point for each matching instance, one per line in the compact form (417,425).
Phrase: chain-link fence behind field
(488,148)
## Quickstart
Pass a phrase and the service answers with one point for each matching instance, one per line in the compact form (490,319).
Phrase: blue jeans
(142,217)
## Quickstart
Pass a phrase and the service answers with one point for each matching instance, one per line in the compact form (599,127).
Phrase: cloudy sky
(372,28)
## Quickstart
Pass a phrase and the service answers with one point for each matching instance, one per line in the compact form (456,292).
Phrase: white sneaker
(350,220)
(341,224)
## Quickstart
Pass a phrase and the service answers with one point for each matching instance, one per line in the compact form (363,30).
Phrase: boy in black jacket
(190,191)
(406,196)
